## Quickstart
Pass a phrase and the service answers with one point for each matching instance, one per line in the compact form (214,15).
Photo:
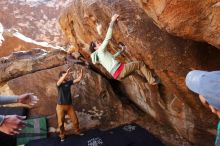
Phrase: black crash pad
(125,135)
(21,111)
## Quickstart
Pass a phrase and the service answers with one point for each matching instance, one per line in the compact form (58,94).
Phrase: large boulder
(169,57)
(197,20)
(37,71)
(20,63)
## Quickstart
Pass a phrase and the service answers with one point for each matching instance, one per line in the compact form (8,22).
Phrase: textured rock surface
(20,63)
(36,19)
(97,105)
(169,57)
(197,20)
(30,24)
(12,43)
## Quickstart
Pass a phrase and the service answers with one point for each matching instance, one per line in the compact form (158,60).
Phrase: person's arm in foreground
(12,124)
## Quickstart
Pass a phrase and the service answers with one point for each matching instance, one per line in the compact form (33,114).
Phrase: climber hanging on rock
(118,70)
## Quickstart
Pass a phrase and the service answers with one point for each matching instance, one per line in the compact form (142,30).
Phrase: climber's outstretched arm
(108,36)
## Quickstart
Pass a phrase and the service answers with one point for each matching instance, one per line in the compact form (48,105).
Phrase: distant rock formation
(15,41)
(35,19)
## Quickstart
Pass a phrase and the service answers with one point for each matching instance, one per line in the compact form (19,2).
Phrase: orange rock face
(169,57)
(197,20)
